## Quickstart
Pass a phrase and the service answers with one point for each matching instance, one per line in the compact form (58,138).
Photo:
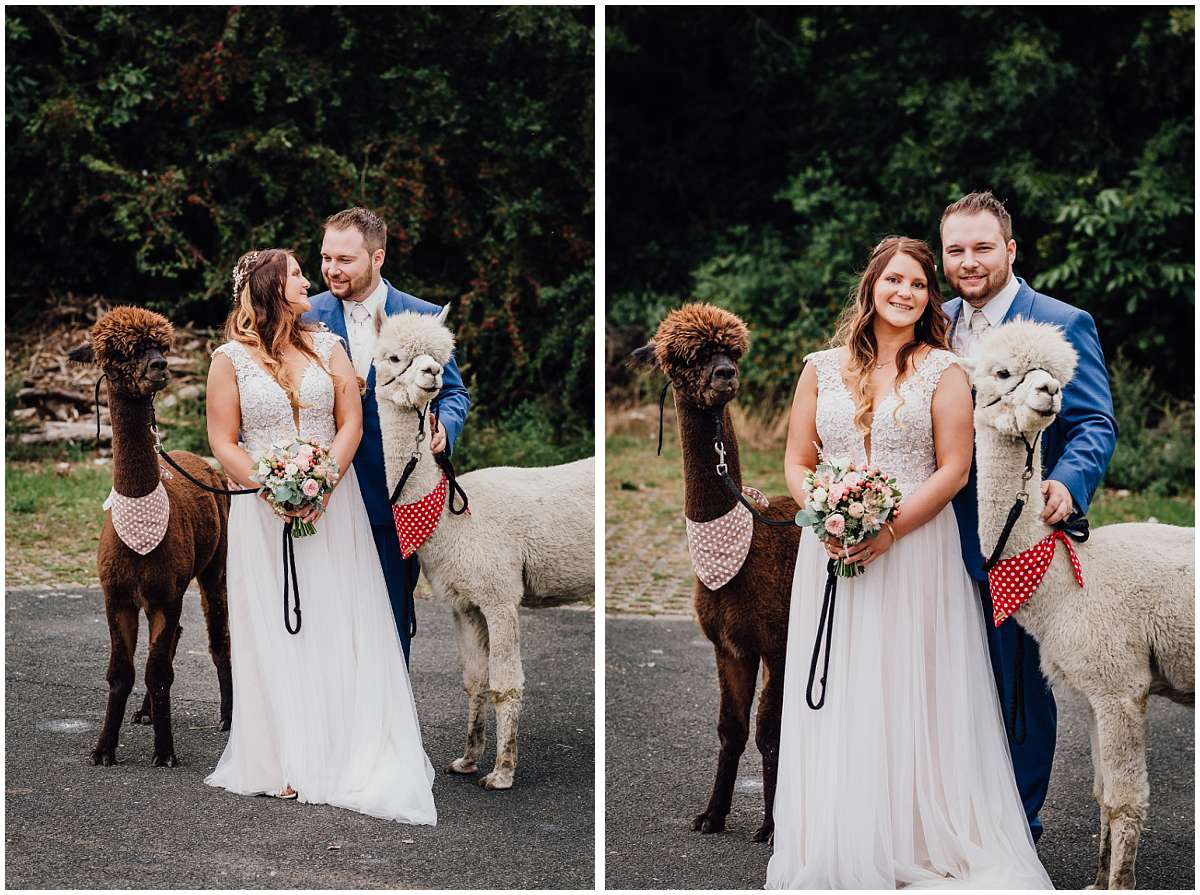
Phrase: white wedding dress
(903,777)
(328,711)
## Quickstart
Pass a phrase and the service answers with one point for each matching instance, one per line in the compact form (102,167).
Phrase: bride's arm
(800,457)
(224,414)
(347,409)
(953,445)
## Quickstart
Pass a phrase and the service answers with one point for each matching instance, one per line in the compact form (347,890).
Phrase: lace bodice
(901,439)
(266,411)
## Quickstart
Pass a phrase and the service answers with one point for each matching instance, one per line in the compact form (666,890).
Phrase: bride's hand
(313,513)
(872,548)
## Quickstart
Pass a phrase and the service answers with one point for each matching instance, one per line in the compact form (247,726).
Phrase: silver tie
(978,324)
(360,315)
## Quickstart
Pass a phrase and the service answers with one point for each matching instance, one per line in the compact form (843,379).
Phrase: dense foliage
(149,146)
(755,155)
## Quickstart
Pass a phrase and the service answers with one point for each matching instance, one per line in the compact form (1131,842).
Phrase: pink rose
(836,491)
(835,524)
(310,488)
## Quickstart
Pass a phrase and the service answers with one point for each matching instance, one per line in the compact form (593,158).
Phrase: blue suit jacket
(451,403)
(1080,442)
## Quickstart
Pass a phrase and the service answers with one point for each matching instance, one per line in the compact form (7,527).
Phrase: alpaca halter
(140,522)
(1013,581)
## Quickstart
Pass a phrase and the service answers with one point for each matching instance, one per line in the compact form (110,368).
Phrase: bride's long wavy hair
(263,320)
(856,328)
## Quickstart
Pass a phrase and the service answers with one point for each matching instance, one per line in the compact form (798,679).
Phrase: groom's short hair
(974,203)
(366,222)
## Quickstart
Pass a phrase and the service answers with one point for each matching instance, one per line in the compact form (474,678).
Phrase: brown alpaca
(130,346)
(698,347)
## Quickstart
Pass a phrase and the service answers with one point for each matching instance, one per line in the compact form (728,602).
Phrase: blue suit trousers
(1033,756)
(401,575)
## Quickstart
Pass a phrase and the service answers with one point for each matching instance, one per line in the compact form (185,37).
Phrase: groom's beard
(351,288)
(982,293)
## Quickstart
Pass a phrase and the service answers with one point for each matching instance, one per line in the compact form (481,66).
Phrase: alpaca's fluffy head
(410,355)
(131,346)
(698,347)
(1019,373)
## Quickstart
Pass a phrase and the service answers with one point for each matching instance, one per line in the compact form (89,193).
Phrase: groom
(977,255)
(352,254)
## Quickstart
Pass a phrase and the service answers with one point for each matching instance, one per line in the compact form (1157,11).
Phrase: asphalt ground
(72,825)
(661,701)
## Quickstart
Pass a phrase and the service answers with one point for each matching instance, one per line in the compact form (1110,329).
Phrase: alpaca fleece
(1129,631)
(192,545)
(528,539)
(746,619)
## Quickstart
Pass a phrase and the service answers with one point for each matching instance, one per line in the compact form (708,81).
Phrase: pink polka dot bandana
(416,521)
(718,548)
(1013,581)
(140,522)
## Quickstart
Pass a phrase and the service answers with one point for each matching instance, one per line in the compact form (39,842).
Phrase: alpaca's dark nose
(157,365)
(724,372)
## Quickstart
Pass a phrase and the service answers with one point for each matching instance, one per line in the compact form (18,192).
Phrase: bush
(524,436)
(1156,436)
(151,146)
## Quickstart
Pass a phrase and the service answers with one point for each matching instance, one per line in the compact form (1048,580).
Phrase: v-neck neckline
(299,386)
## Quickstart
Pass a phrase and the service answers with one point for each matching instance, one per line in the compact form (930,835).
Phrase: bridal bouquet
(296,474)
(848,502)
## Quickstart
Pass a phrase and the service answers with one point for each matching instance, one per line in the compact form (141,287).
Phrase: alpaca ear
(380,319)
(82,354)
(443,314)
(969,365)
(644,356)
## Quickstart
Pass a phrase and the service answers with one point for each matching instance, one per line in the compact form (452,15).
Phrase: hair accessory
(241,272)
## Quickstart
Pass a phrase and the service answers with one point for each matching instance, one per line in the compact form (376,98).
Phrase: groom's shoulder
(412,303)
(1053,310)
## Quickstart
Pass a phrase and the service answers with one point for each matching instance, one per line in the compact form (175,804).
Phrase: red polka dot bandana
(415,522)
(718,548)
(140,522)
(1013,581)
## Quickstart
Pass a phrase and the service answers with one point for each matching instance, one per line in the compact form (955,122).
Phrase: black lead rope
(103,376)
(662,403)
(1075,527)
(824,626)
(289,563)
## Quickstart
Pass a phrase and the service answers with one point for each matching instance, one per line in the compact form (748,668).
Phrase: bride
(903,778)
(325,716)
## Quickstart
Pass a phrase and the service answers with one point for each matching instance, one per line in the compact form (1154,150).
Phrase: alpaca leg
(471,633)
(506,681)
(122,631)
(215,603)
(736,675)
(145,714)
(1098,795)
(1121,731)
(160,674)
(766,737)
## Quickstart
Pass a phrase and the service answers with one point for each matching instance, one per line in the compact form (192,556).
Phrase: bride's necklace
(885,364)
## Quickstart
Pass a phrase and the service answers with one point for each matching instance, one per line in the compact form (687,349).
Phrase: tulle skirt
(328,711)
(903,778)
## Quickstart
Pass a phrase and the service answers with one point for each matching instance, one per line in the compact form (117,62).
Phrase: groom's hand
(437,436)
(1059,503)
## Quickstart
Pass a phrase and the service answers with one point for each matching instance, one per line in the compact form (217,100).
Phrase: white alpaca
(529,536)
(1129,632)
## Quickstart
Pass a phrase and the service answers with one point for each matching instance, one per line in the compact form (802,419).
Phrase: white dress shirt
(361,333)
(966,342)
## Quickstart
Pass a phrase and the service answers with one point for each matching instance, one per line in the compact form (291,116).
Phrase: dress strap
(828,366)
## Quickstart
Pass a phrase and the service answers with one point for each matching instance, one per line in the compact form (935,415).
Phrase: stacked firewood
(56,399)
